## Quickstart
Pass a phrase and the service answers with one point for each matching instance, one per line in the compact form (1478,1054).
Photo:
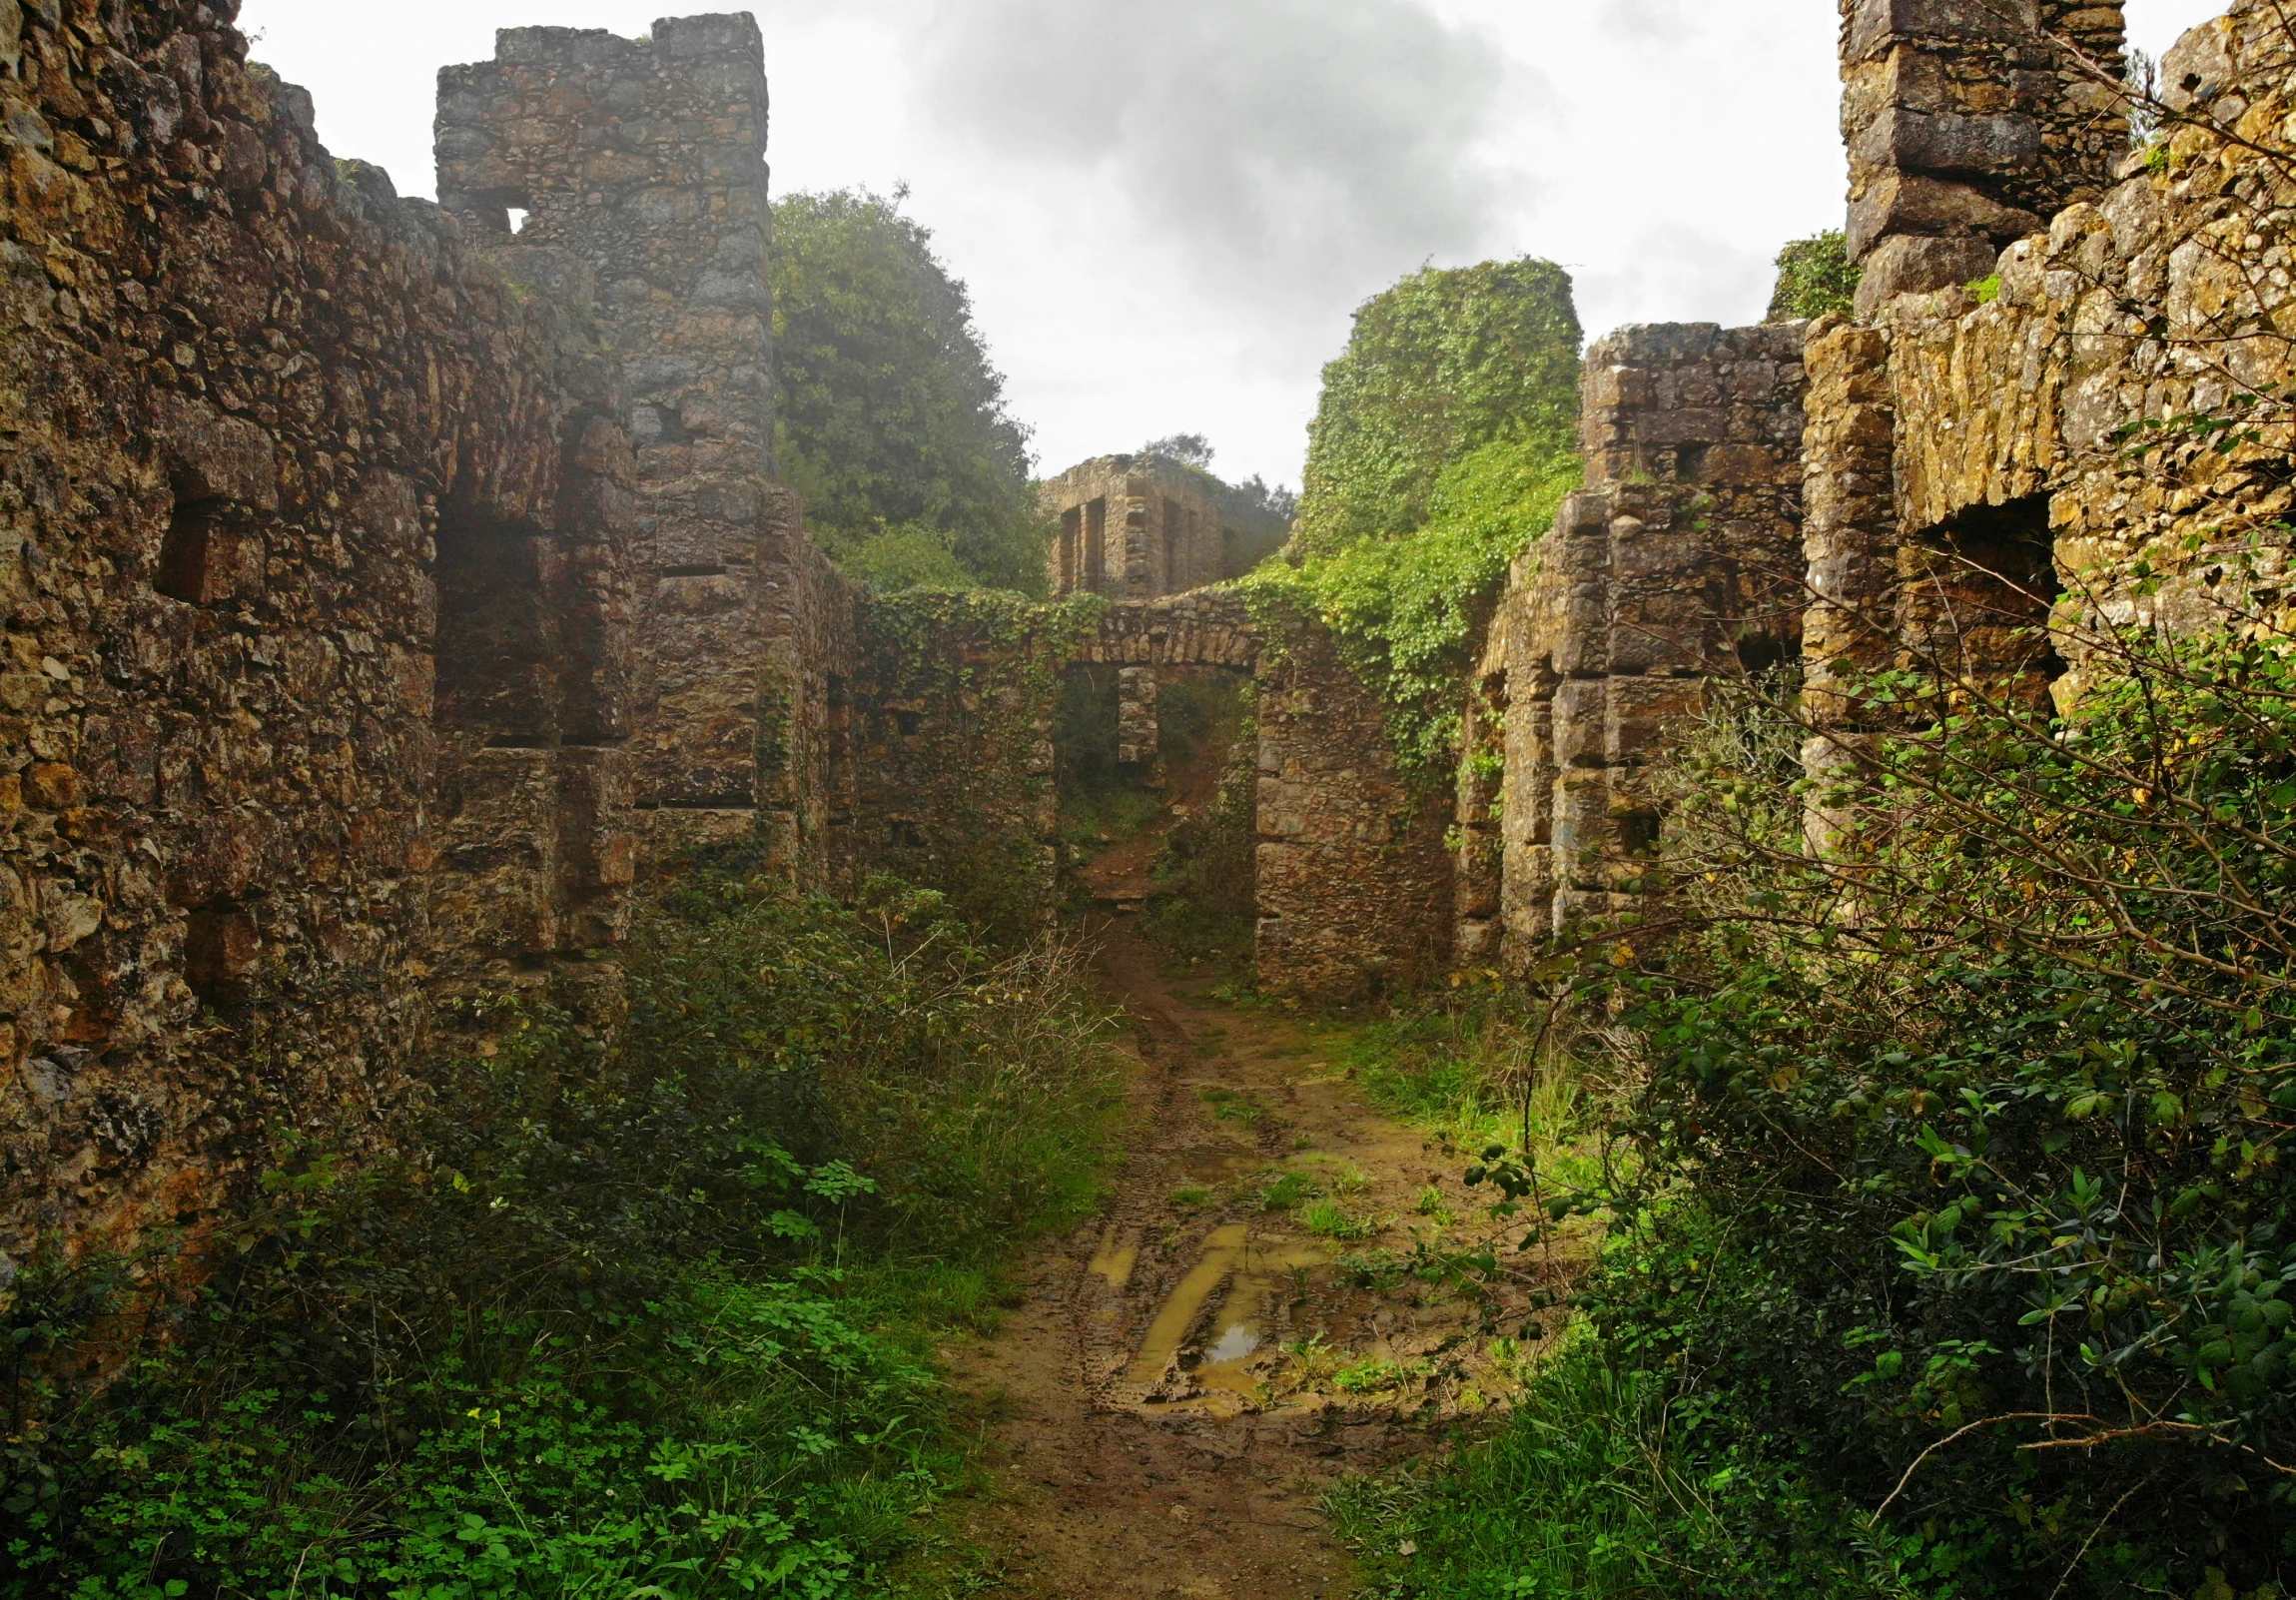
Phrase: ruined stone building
(1133,528)
(388,592)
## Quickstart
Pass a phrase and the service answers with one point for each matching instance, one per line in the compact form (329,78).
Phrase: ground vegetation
(650,1317)
(1949,1242)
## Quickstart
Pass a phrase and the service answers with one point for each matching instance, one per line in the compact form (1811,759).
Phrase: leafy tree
(1193,448)
(1440,366)
(1815,277)
(892,421)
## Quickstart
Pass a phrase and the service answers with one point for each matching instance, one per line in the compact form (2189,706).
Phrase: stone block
(1913,203)
(1913,265)
(1876,24)
(1641,711)
(1939,142)
(1581,707)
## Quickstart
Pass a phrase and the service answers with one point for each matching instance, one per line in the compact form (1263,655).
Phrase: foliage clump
(1953,1244)
(652,1318)
(1444,366)
(1815,279)
(890,420)
(1444,446)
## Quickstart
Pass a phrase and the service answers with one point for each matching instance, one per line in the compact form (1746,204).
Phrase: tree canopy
(892,421)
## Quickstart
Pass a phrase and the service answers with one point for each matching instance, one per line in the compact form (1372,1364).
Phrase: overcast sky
(1168,208)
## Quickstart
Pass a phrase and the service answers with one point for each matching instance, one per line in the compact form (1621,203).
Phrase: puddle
(1251,1274)
(1234,1344)
(1114,1262)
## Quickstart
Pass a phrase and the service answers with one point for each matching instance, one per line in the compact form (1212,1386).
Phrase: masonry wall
(1680,561)
(1354,880)
(1969,122)
(1954,439)
(313,566)
(1133,528)
(647,158)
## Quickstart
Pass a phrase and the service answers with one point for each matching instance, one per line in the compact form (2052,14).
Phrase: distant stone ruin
(1133,528)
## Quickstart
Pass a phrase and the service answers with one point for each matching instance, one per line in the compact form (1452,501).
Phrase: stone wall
(946,746)
(1968,123)
(1354,880)
(314,528)
(1133,528)
(1973,460)
(1680,560)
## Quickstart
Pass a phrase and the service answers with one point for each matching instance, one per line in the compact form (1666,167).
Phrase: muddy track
(1188,1374)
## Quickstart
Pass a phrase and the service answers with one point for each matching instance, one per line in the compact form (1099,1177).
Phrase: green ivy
(1440,367)
(1407,612)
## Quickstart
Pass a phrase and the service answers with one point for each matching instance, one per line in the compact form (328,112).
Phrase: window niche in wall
(497,654)
(1976,596)
(212,553)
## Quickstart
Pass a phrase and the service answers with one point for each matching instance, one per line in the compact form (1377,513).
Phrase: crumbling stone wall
(948,739)
(1679,560)
(1353,883)
(1968,123)
(313,538)
(1972,462)
(647,158)
(1354,880)
(1133,528)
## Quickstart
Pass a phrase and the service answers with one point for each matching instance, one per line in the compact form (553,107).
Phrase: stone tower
(1971,123)
(642,162)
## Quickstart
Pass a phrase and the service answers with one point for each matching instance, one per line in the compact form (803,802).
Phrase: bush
(1815,279)
(653,1314)
(1982,1113)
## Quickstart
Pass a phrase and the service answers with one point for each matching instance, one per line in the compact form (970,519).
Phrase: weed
(1329,1219)
(1191,1197)
(1288,1192)
(1313,1361)
(1374,1375)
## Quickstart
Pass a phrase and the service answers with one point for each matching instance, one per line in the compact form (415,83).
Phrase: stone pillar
(646,158)
(1969,124)
(1136,732)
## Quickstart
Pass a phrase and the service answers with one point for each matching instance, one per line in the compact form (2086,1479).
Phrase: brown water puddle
(1185,1377)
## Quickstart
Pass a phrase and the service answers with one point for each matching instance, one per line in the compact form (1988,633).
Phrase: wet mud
(1187,1376)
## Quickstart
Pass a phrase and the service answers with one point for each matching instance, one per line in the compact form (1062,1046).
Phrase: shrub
(652,1313)
(1815,279)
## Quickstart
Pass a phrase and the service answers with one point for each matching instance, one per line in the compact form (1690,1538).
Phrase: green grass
(1334,1220)
(1289,1192)
(1234,1106)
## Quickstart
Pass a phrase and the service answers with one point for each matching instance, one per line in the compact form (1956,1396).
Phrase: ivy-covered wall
(944,750)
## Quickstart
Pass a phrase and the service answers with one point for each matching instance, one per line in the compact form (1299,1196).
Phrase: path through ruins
(1188,1373)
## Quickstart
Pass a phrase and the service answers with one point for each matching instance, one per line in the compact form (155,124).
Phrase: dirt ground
(1185,1376)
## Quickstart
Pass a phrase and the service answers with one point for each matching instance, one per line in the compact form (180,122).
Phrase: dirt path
(1185,1376)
